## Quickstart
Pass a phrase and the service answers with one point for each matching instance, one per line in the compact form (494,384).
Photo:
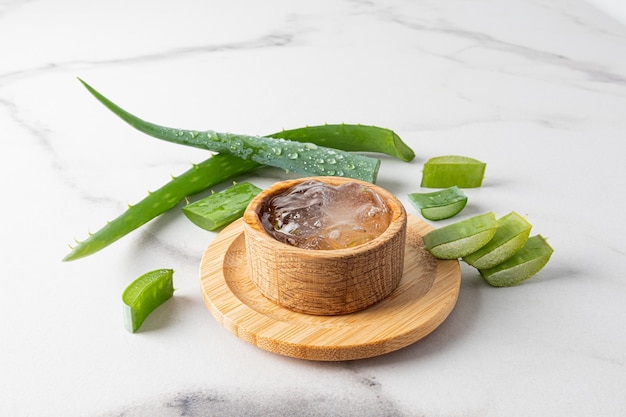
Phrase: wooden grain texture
(325,282)
(424,298)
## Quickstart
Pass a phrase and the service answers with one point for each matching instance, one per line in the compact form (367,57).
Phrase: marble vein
(592,71)
(577,18)
(271,40)
(35,131)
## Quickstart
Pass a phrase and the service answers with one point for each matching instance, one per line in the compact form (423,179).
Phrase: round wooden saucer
(424,298)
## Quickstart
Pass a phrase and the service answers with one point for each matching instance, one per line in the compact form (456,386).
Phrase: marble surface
(535,88)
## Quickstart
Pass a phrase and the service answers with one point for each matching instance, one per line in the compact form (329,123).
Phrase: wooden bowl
(325,282)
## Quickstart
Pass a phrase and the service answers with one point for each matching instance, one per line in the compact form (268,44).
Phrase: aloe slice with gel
(441,204)
(524,264)
(511,235)
(459,239)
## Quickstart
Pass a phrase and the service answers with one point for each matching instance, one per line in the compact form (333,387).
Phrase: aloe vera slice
(219,209)
(439,205)
(511,235)
(448,170)
(524,264)
(144,295)
(459,239)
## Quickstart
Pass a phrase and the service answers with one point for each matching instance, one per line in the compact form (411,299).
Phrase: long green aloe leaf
(303,158)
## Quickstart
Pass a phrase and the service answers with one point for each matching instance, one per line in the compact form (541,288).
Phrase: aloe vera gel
(319,216)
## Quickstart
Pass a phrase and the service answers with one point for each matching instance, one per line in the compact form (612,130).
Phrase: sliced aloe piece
(459,239)
(511,235)
(448,170)
(441,204)
(219,209)
(524,264)
(144,295)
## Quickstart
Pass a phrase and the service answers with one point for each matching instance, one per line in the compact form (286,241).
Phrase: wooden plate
(424,298)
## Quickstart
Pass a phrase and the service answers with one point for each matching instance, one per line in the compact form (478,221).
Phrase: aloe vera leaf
(448,170)
(144,295)
(527,262)
(511,235)
(222,208)
(347,137)
(210,172)
(461,238)
(304,158)
(441,204)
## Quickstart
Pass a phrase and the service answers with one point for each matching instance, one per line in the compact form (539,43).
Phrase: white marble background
(535,88)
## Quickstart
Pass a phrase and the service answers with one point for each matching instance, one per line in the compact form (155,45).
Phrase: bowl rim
(252,220)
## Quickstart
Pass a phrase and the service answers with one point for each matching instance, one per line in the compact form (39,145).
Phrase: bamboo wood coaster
(424,298)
